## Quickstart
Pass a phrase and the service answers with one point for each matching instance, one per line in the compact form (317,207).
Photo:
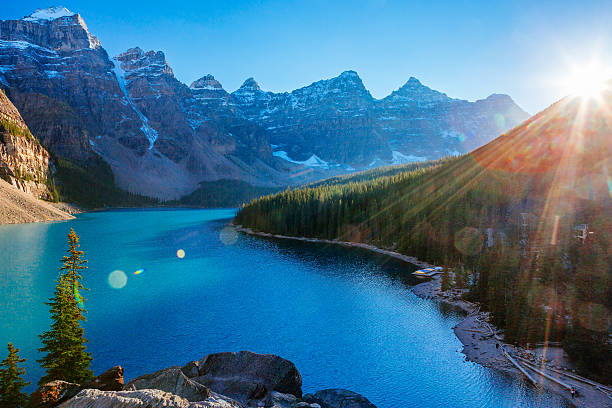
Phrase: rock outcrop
(222,380)
(139,399)
(111,380)
(171,380)
(51,394)
(247,376)
(338,398)
(24,163)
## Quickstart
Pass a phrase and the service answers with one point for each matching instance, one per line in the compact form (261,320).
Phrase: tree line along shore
(539,280)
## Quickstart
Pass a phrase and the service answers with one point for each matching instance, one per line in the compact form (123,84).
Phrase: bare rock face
(111,380)
(52,393)
(59,77)
(24,163)
(55,392)
(247,376)
(171,380)
(140,399)
(338,398)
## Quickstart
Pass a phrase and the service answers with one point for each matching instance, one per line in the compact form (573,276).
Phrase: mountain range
(160,138)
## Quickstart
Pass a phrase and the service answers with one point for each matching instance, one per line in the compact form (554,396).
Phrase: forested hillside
(504,217)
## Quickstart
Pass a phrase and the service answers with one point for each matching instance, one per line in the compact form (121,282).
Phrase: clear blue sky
(465,49)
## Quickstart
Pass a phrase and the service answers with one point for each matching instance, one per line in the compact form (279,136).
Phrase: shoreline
(19,207)
(483,342)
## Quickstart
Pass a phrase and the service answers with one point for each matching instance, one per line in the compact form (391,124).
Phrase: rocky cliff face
(24,163)
(162,138)
(157,136)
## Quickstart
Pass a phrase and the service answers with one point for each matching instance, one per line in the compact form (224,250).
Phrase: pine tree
(445,283)
(64,344)
(11,380)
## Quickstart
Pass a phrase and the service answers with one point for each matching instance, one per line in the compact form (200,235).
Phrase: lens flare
(594,316)
(469,241)
(138,272)
(117,279)
(180,253)
(500,121)
(228,235)
(77,296)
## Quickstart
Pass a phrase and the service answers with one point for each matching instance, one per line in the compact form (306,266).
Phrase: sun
(588,80)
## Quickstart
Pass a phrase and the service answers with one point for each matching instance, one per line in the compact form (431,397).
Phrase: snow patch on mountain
(51,13)
(399,158)
(149,132)
(313,161)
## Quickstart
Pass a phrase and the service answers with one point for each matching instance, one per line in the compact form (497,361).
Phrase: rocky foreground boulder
(222,380)
(246,376)
(53,393)
(337,398)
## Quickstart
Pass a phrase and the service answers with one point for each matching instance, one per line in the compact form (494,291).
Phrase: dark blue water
(345,317)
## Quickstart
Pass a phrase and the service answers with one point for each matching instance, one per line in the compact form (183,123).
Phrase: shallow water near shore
(345,316)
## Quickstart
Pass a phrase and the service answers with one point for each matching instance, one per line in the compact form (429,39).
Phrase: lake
(344,316)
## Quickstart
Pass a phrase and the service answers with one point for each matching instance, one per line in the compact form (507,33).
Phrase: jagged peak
(137,53)
(414,89)
(131,53)
(351,77)
(499,97)
(413,83)
(49,13)
(206,82)
(58,18)
(349,74)
(135,59)
(250,83)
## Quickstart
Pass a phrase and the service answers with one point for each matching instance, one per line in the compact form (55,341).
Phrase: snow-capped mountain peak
(414,90)
(349,74)
(250,84)
(50,13)
(206,82)
(135,61)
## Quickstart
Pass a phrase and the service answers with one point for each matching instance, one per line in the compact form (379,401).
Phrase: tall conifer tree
(64,344)
(11,380)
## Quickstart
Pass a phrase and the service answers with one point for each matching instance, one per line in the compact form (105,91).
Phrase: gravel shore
(18,207)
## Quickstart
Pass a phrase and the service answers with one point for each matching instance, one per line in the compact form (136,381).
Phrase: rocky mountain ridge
(162,138)
(340,123)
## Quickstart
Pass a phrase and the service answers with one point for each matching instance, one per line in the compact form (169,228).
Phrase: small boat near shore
(428,272)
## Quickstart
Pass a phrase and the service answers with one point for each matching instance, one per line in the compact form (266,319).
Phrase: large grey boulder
(247,376)
(171,380)
(338,398)
(140,399)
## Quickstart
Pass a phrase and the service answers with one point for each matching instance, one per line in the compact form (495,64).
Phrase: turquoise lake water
(345,317)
